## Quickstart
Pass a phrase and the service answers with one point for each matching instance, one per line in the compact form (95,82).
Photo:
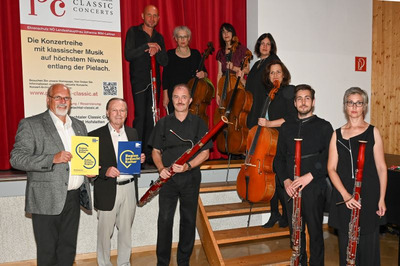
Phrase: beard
(62,112)
(305,111)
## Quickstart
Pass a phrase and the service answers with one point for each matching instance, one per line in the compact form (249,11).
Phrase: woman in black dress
(265,49)
(182,65)
(342,165)
(280,110)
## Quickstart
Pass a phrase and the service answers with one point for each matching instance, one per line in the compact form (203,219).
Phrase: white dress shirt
(116,137)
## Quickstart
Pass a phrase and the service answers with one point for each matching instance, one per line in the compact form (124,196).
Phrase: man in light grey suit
(53,196)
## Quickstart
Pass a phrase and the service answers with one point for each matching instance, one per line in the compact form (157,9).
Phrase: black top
(180,70)
(139,61)
(339,215)
(256,85)
(316,134)
(172,147)
(281,107)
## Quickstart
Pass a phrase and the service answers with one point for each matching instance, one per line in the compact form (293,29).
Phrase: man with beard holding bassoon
(171,137)
(315,134)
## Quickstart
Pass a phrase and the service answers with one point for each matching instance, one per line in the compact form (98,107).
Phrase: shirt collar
(112,130)
(305,120)
(187,118)
(57,121)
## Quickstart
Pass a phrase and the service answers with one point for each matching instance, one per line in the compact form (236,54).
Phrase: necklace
(184,53)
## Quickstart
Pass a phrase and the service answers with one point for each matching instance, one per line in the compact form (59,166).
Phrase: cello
(237,130)
(256,179)
(227,82)
(202,90)
(232,139)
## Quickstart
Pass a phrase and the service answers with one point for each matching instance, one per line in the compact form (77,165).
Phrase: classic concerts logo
(58,7)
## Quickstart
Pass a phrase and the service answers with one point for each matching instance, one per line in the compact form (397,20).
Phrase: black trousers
(278,196)
(312,208)
(186,189)
(56,235)
(368,250)
(143,121)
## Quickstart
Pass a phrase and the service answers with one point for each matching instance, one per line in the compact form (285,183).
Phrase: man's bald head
(150,16)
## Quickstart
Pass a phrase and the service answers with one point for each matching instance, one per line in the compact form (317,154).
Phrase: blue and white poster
(129,157)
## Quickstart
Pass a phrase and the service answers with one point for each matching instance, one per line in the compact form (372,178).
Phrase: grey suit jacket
(36,143)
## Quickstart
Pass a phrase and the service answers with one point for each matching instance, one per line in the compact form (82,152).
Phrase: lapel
(108,144)
(52,130)
(77,129)
(130,134)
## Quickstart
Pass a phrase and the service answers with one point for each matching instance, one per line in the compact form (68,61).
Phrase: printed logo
(87,158)
(127,158)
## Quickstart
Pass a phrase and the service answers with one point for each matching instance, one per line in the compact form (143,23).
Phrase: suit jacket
(36,143)
(105,188)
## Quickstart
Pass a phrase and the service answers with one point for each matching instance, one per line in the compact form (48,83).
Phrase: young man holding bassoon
(315,134)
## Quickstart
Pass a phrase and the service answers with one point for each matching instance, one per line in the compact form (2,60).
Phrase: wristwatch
(190,167)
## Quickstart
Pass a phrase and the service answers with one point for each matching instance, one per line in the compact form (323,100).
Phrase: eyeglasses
(182,37)
(59,98)
(351,103)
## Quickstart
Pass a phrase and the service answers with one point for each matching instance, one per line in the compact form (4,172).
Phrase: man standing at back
(114,194)
(53,196)
(142,42)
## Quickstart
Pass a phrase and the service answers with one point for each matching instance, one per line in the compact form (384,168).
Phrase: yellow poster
(78,44)
(85,155)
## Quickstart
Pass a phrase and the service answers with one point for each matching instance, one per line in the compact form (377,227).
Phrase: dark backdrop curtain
(202,17)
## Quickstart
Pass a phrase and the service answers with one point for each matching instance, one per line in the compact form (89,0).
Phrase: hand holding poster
(129,157)
(85,155)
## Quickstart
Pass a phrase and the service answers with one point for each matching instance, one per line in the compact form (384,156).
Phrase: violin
(232,140)
(202,90)
(256,178)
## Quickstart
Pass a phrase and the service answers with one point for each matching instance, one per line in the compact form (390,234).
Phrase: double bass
(256,178)
(202,90)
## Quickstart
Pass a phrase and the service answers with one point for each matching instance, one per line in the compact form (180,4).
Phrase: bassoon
(156,186)
(296,214)
(354,228)
(153,73)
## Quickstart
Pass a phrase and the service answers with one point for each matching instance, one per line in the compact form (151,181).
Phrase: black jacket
(105,188)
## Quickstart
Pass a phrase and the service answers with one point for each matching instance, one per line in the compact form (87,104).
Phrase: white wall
(318,41)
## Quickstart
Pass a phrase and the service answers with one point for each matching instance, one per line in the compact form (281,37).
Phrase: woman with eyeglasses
(342,170)
(182,65)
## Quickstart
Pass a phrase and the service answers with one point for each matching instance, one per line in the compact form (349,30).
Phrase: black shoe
(283,222)
(272,220)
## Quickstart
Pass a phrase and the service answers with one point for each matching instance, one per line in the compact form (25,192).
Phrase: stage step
(218,187)
(212,240)
(276,258)
(251,233)
(234,209)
